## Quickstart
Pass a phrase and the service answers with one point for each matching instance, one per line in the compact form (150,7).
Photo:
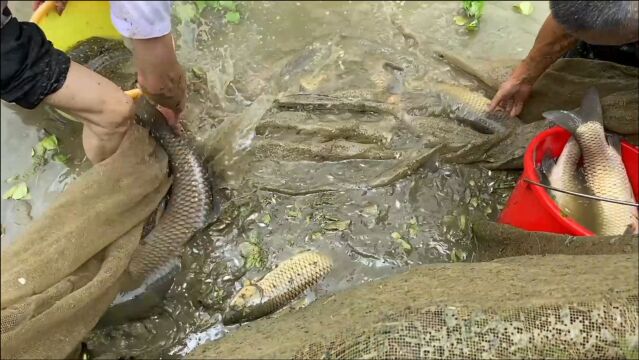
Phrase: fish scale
(190,201)
(604,171)
(278,288)
(606,177)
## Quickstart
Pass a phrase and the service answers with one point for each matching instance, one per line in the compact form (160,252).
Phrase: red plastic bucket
(531,208)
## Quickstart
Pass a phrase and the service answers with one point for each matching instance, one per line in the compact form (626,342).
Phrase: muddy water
(369,232)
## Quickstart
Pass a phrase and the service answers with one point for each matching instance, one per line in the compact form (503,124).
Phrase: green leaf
(184,11)
(233,17)
(457,255)
(473,25)
(38,150)
(460,20)
(49,143)
(294,213)
(229,5)
(474,9)
(524,7)
(19,191)
(266,219)
(337,225)
(413,230)
(406,246)
(61,158)
(257,257)
(201,5)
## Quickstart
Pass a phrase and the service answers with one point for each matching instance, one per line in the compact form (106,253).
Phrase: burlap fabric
(59,276)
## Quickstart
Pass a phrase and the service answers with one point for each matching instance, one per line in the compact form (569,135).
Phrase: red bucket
(531,208)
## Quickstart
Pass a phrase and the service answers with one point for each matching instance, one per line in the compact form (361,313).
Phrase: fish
(603,167)
(277,288)
(459,103)
(189,206)
(565,174)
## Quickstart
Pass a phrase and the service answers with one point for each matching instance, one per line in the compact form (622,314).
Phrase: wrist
(527,72)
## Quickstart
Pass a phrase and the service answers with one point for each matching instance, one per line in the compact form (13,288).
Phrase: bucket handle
(592,197)
(44,9)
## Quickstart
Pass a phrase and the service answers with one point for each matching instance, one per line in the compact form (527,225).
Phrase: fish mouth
(231,317)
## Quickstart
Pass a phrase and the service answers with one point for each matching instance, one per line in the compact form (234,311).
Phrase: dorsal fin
(566,119)
(590,109)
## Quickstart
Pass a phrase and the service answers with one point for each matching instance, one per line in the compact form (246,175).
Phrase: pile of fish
(277,288)
(602,174)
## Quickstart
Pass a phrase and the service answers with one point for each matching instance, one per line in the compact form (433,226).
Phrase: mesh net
(53,290)
(552,306)
(588,330)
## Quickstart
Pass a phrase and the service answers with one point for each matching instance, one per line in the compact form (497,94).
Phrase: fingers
(60,6)
(36,4)
(172,119)
(497,99)
(517,108)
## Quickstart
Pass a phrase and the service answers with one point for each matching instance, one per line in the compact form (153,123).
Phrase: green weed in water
(44,151)
(187,11)
(524,8)
(473,10)
(19,191)
(257,256)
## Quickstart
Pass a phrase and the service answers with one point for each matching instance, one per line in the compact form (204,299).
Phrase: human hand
(172,118)
(59,5)
(160,76)
(511,96)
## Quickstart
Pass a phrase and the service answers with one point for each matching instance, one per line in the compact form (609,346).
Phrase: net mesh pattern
(608,329)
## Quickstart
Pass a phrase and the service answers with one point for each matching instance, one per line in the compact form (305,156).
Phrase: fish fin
(630,230)
(566,119)
(547,164)
(614,141)
(590,109)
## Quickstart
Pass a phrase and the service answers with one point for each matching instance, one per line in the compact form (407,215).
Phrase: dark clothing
(627,54)
(31,68)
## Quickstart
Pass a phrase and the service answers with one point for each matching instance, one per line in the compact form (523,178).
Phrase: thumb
(497,99)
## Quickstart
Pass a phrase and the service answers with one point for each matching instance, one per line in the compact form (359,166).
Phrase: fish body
(603,167)
(156,260)
(277,288)
(566,175)
(471,108)
(459,103)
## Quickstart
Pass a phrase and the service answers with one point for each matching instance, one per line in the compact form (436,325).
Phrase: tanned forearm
(552,42)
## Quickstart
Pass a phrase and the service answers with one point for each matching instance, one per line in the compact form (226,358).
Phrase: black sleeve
(31,67)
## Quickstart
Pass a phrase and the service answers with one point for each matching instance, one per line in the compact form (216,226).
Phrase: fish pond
(369,190)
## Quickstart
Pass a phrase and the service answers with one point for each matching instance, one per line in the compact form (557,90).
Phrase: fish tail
(566,119)
(590,109)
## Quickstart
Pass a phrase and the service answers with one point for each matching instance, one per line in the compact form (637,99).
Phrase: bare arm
(551,43)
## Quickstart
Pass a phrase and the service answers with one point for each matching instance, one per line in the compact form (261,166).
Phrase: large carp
(277,288)
(189,205)
(603,167)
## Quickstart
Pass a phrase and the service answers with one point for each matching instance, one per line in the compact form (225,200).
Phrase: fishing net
(544,306)
(533,306)
(579,302)
(61,274)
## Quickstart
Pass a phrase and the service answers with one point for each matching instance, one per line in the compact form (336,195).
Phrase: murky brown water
(369,232)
